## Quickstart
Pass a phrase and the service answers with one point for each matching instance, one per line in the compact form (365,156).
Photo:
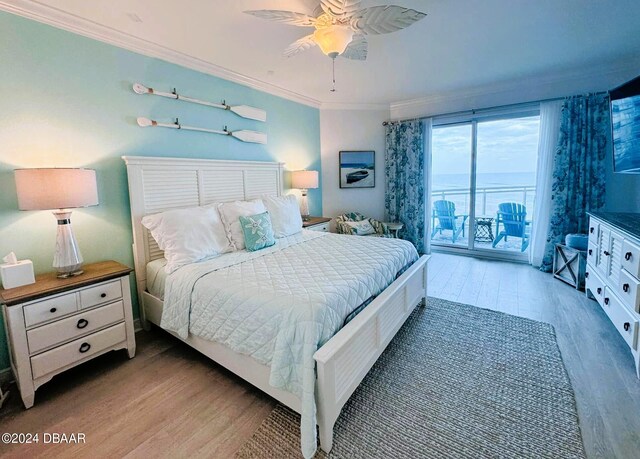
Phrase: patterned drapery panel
(578,168)
(405,197)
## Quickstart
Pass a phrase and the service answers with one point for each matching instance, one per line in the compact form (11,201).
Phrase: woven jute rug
(456,382)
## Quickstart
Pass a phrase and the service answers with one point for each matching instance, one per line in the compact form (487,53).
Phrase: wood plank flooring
(169,401)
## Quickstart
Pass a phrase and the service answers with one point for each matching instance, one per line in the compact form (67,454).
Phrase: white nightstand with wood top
(56,324)
(317,224)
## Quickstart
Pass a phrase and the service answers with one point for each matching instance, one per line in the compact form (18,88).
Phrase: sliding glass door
(483,184)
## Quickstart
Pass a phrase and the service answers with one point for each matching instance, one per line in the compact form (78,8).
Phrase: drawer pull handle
(52,310)
(82,323)
(590,252)
(606,254)
(627,256)
(626,326)
(625,288)
(586,274)
(84,347)
(599,290)
(606,301)
(592,229)
(103,295)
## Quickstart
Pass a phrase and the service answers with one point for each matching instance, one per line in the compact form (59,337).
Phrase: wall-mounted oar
(245,136)
(241,110)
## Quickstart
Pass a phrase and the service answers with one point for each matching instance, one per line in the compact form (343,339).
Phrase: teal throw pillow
(258,231)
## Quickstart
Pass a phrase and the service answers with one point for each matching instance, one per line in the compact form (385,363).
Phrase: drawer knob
(52,310)
(626,326)
(599,290)
(103,295)
(627,256)
(606,301)
(592,229)
(606,254)
(84,347)
(625,288)
(82,323)
(586,274)
(590,252)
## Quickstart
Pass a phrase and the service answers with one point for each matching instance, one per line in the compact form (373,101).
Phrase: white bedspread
(279,305)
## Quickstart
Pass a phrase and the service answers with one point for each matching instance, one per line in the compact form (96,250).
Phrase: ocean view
(449,181)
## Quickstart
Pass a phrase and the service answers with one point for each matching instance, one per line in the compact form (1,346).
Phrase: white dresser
(613,272)
(56,324)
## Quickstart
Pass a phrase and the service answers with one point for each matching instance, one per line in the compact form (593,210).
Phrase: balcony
(487,201)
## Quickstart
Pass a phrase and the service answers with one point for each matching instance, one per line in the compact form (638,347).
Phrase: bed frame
(159,184)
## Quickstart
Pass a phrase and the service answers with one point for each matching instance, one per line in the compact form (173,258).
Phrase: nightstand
(394,228)
(317,224)
(56,324)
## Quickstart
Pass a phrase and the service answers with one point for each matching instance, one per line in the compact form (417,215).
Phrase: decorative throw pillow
(258,231)
(230,212)
(361,228)
(188,235)
(285,214)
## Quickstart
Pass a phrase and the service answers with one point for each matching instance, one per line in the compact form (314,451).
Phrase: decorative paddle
(244,135)
(243,111)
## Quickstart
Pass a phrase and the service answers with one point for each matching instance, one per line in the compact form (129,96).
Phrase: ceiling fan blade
(357,49)
(384,19)
(340,8)
(285,17)
(300,45)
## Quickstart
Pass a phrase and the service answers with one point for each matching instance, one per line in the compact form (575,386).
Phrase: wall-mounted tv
(625,122)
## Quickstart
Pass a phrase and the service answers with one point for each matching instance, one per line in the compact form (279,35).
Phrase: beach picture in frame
(357,169)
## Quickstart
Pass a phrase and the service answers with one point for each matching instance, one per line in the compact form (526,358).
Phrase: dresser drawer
(77,350)
(592,253)
(72,327)
(595,284)
(50,309)
(624,320)
(628,290)
(102,293)
(631,258)
(594,228)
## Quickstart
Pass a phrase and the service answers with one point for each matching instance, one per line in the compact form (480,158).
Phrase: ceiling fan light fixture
(333,40)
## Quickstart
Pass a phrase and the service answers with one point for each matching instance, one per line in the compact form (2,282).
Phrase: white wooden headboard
(159,184)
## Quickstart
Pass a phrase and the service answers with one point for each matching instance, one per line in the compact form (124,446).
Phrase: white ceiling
(461,44)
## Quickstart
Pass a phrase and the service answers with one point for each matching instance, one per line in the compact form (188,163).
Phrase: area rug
(456,382)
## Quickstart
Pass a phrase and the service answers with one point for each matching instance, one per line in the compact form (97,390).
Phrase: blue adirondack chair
(445,213)
(513,217)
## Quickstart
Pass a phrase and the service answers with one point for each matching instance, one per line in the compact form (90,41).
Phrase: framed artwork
(357,169)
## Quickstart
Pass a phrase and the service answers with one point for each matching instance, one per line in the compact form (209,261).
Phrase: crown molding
(46,14)
(353,106)
(546,83)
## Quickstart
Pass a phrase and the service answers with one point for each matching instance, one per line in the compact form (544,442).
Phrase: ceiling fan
(342,26)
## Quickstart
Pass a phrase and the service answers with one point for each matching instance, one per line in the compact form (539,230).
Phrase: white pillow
(285,214)
(230,212)
(188,235)
(362,228)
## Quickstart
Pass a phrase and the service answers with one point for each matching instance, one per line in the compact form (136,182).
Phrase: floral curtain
(405,191)
(578,168)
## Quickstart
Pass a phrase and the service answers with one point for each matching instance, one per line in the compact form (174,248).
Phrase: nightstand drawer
(77,350)
(50,309)
(78,325)
(102,293)
(323,227)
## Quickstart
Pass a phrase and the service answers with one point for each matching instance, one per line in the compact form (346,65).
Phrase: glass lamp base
(67,259)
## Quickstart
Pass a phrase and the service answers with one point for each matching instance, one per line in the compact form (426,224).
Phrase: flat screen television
(625,123)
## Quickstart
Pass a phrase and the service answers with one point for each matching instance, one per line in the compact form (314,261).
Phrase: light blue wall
(67,101)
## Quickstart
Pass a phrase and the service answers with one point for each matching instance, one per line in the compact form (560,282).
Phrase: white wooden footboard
(344,361)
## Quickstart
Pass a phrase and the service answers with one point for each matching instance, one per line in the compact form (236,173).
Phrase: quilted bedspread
(280,304)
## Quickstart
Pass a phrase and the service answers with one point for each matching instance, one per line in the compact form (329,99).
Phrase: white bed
(158,184)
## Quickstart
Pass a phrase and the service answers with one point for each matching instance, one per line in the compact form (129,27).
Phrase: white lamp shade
(44,189)
(304,179)
(333,40)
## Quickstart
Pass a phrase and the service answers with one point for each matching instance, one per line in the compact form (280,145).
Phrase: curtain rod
(475,111)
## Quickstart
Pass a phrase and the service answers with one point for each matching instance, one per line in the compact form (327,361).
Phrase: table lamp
(59,190)
(304,180)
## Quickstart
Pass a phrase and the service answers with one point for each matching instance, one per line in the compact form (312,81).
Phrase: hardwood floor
(170,401)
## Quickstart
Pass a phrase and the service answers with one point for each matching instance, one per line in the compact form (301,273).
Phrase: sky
(356,157)
(504,146)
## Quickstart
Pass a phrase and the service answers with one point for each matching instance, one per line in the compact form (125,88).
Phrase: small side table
(394,228)
(569,265)
(484,229)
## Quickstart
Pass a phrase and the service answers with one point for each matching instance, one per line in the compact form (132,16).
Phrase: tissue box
(16,275)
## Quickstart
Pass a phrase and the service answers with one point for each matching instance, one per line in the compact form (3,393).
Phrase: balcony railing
(488,198)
